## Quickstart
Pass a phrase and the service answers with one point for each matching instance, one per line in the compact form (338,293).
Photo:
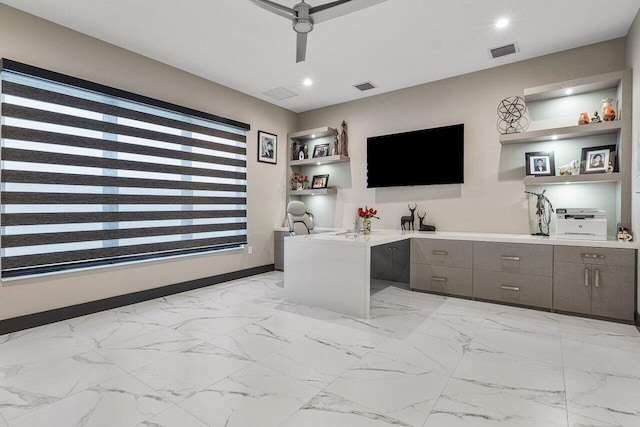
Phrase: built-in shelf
(577,86)
(319,160)
(573,179)
(313,191)
(561,100)
(567,132)
(313,133)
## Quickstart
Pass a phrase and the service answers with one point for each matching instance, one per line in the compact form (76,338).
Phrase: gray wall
(37,42)
(492,199)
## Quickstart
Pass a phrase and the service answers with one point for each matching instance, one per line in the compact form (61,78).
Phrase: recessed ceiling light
(554,137)
(502,23)
(307,82)
(313,135)
(568,92)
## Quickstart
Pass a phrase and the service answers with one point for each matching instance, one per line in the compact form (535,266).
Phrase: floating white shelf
(572,179)
(567,132)
(319,161)
(313,133)
(313,191)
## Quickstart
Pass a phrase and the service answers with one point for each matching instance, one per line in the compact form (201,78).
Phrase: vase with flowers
(366,214)
(299,181)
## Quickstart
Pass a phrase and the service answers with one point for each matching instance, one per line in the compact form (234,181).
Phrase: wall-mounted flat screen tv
(421,157)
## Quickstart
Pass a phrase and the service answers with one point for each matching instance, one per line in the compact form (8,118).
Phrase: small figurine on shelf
(608,112)
(343,140)
(583,119)
(596,118)
(336,144)
(624,235)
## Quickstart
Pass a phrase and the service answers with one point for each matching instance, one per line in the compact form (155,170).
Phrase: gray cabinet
(521,289)
(278,249)
(595,281)
(517,258)
(513,273)
(442,266)
(391,261)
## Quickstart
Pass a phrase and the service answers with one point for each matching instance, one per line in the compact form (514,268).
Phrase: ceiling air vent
(280,93)
(503,50)
(365,86)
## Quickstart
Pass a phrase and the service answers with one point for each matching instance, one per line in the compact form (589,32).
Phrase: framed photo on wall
(320,181)
(267,147)
(540,163)
(598,159)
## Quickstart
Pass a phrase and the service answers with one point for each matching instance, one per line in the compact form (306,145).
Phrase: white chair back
(300,221)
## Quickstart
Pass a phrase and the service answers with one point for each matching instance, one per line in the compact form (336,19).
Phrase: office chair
(300,221)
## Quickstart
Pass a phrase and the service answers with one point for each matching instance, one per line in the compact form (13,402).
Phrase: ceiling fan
(304,16)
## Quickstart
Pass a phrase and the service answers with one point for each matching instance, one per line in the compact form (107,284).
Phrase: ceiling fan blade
(278,9)
(338,8)
(301,47)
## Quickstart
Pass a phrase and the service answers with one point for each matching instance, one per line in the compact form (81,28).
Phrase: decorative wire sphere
(512,115)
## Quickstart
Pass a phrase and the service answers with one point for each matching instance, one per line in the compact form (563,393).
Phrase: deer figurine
(424,227)
(406,222)
(421,218)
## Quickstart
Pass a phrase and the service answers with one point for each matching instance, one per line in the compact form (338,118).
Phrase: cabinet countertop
(381,237)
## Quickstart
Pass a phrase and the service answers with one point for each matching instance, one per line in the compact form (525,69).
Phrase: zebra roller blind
(93,175)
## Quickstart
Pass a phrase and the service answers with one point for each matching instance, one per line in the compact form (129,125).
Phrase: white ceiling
(395,44)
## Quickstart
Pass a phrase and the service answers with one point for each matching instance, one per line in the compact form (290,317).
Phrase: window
(93,175)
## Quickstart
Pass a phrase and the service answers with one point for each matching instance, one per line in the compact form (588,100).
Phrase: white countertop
(381,237)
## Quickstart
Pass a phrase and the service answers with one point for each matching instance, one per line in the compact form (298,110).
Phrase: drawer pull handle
(510,288)
(586,277)
(594,256)
(439,279)
(511,258)
(596,278)
(440,252)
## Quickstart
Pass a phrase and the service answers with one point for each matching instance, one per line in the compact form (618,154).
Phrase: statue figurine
(583,119)
(608,112)
(423,226)
(336,144)
(343,140)
(596,118)
(406,222)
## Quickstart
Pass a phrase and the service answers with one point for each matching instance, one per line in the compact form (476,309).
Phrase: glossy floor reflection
(237,354)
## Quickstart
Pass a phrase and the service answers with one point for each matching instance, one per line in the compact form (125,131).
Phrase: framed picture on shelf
(540,163)
(321,150)
(320,181)
(598,159)
(267,147)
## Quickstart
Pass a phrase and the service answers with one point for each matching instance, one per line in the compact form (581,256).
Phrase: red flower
(367,213)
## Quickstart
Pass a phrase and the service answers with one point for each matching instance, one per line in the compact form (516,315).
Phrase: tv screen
(421,157)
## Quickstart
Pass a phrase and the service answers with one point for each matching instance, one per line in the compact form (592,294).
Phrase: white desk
(332,270)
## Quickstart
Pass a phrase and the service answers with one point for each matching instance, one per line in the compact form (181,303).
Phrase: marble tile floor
(237,354)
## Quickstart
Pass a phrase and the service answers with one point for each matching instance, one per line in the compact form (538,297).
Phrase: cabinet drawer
(513,258)
(600,256)
(445,280)
(446,253)
(534,291)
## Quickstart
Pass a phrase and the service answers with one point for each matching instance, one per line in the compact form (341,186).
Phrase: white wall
(633,62)
(492,199)
(37,42)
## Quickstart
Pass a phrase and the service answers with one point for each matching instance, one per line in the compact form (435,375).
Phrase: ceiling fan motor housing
(302,23)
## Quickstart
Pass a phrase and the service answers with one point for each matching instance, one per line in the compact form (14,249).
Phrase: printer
(581,223)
